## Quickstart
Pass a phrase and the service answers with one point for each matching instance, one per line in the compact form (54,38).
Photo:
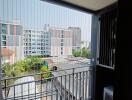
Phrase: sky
(34,14)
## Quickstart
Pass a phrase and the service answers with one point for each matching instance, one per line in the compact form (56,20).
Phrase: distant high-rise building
(61,42)
(48,42)
(36,42)
(11,38)
(76,38)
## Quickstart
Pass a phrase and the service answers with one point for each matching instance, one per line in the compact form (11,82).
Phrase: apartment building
(36,42)
(11,39)
(48,42)
(76,38)
(61,42)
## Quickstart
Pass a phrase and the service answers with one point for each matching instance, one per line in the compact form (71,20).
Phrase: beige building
(76,38)
(61,42)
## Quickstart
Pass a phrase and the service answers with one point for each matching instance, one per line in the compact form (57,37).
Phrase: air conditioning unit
(108,93)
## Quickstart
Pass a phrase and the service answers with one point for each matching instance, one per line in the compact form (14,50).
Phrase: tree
(7,70)
(46,73)
(86,52)
(76,53)
(33,61)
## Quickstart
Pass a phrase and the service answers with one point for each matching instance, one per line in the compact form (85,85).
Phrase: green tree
(8,70)
(19,67)
(46,73)
(76,53)
(34,60)
(86,53)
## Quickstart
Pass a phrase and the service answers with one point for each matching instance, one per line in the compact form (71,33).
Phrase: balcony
(64,84)
(76,80)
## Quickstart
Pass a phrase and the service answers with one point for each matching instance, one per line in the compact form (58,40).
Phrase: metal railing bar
(69,89)
(73,85)
(52,89)
(76,85)
(61,86)
(81,81)
(28,90)
(24,97)
(41,80)
(33,95)
(79,84)
(46,90)
(65,88)
(41,73)
(86,85)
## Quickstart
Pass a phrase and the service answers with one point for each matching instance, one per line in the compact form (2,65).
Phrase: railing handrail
(41,73)
(53,77)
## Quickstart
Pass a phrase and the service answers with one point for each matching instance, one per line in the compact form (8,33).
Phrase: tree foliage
(84,52)
(46,72)
(25,65)
(33,61)
(76,53)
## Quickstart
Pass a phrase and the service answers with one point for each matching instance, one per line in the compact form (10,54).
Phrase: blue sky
(35,13)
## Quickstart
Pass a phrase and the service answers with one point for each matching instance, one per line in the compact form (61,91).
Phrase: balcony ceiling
(89,5)
(92,4)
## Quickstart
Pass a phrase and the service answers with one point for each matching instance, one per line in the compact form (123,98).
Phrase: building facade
(76,38)
(61,42)
(36,43)
(11,38)
(51,42)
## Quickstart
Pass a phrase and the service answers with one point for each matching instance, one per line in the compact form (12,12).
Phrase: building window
(25,44)
(33,39)
(61,53)
(38,47)
(62,34)
(4,31)
(33,43)
(61,48)
(33,35)
(61,44)
(3,37)
(33,48)
(38,44)
(3,43)
(12,30)
(29,31)
(29,40)
(4,26)
(61,40)
(33,52)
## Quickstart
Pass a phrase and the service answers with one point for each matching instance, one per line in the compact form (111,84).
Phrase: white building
(36,42)
(48,42)
(12,39)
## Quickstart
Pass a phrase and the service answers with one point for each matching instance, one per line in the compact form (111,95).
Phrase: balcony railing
(67,84)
